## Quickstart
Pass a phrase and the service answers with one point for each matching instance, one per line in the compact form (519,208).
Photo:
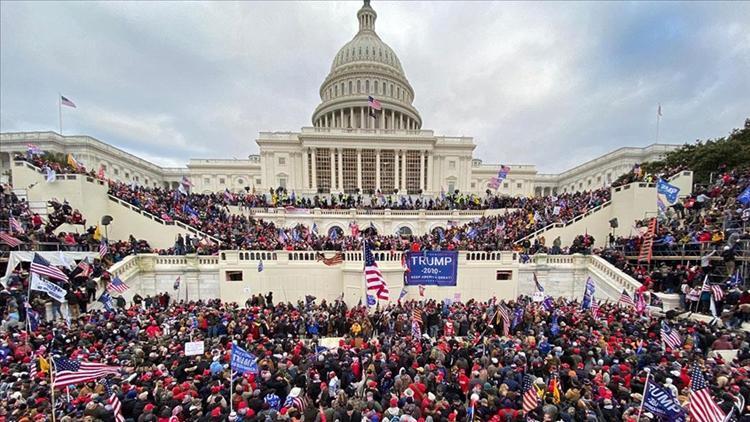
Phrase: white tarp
(56,258)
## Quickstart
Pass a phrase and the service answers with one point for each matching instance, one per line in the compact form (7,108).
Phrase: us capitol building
(346,149)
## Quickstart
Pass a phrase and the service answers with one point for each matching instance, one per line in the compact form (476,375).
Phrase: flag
(658,111)
(32,149)
(373,277)
(717,291)
(106,300)
(53,290)
(373,103)
(595,309)
(243,361)
(85,269)
(656,301)
(502,313)
(416,330)
(66,102)
(73,162)
(371,301)
(554,328)
(260,266)
(336,259)
(554,387)
(117,285)
(42,267)
(315,229)
(503,172)
(640,302)
(702,407)
(32,366)
(588,294)
(416,315)
(421,290)
(51,175)
(494,183)
(14,225)
(548,303)
(113,401)
(98,233)
(69,372)
(403,293)
(100,173)
(354,227)
(176,284)
(536,282)
(744,197)
(9,240)
(660,401)
(626,299)
(32,316)
(669,336)
(103,249)
(530,397)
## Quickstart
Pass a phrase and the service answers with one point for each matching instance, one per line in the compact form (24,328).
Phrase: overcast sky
(551,84)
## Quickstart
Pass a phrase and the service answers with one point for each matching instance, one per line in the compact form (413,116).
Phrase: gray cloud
(550,84)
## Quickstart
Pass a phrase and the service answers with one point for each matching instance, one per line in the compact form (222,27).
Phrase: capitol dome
(366,67)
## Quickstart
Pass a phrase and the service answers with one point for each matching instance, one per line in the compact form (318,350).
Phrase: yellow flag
(98,233)
(72,161)
(43,364)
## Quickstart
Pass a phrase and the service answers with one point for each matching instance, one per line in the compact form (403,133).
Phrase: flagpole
(59,110)
(52,385)
(658,119)
(231,390)
(643,396)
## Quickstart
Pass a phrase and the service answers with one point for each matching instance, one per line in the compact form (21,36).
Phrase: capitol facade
(366,137)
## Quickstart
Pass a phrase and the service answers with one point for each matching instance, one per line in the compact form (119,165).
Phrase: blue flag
(106,300)
(260,266)
(548,304)
(661,402)
(669,191)
(554,328)
(371,300)
(588,294)
(32,316)
(517,317)
(402,294)
(243,361)
(315,229)
(744,197)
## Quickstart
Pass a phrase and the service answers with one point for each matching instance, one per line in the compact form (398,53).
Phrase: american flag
(416,315)
(66,102)
(117,285)
(669,336)
(373,103)
(702,407)
(85,268)
(626,299)
(416,330)
(373,277)
(336,259)
(530,398)
(503,173)
(717,291)
(32,366)
(42,267)
(113,401)
(14,225)
(9,240)
(640,302)
(103,249)
(494,183)
(502,312)
(69,372)
(594,309)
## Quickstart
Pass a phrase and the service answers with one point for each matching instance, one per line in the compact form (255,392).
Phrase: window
(519,185)
(368,170)
(387,169)
(375,86)
(599,178)
(359,86)
(104,167)
(412,171)
(336,90)
(323,168)
(349,169)
(137,179)
(501,275)
(367,86)
(240,182)
(505,185)
(117,172)
(451,187)
(282,161)
(222,181)
(234,276)
(452,165)
(350,87)
(127,175)
(206,181)
(473,185)
(391,90)
(282,182)
(257,181)
(404,231)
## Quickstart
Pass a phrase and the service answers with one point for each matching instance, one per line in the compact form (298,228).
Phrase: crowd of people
(456,362)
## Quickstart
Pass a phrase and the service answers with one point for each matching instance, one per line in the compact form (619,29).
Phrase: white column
(377,169)
(430,172)
(396,158)
(393,120)
(382,119)
(341,169)
(314,171)
(421,170)
(342,118)
(333,171)
(400,120)
(325,120)
(359,170)
(305,172)
(361,117)
(403,172)
(351,117)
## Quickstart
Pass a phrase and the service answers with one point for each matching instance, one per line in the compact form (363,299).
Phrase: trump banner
(432,268)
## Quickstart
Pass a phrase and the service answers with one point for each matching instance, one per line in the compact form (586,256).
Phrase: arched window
(350,88)
(384,90)
(339,231)
(336,90)
(367,87)
(404,231)
(375,86)
(391,90)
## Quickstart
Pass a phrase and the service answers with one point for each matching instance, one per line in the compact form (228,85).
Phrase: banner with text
(432,268)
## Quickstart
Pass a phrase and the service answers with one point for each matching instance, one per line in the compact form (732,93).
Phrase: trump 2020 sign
(432,268)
